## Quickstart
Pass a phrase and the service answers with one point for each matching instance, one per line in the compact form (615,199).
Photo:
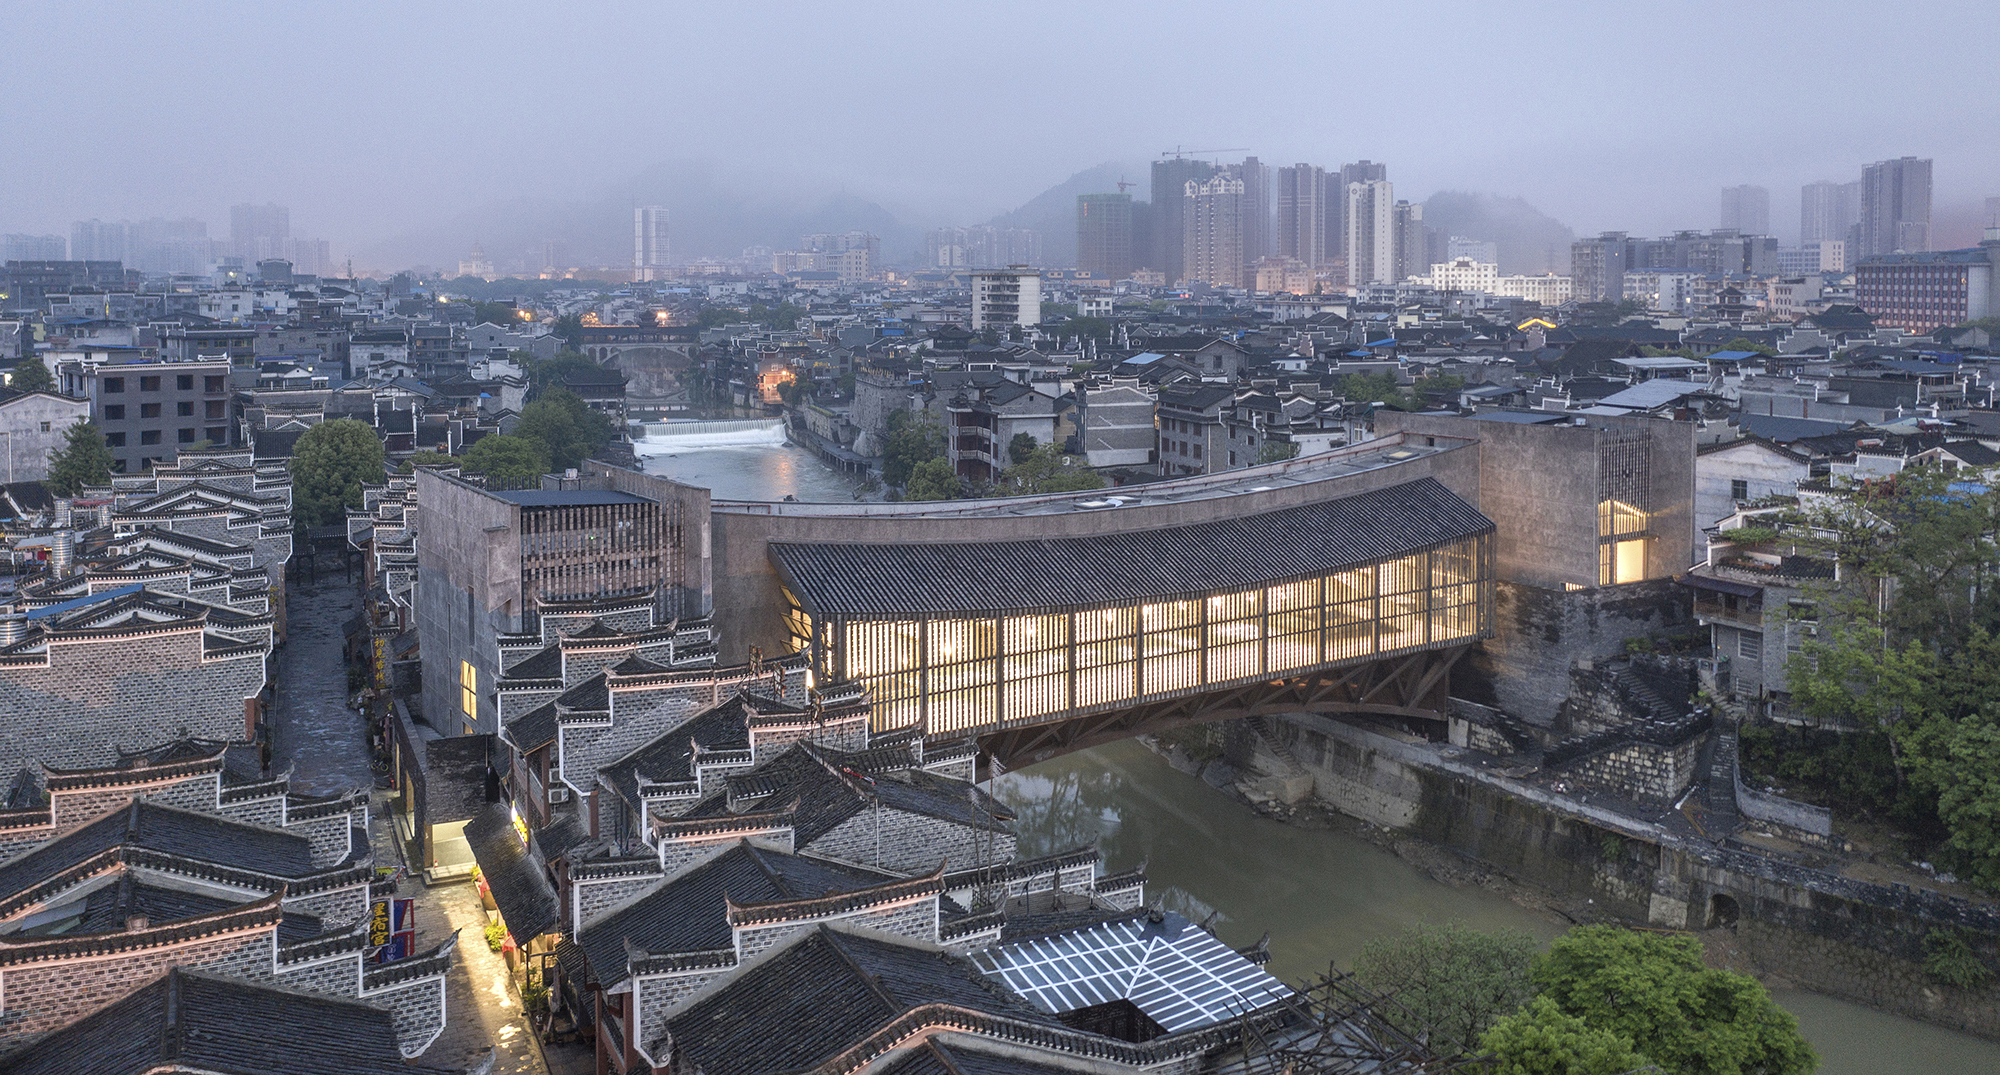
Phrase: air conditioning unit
(558,795)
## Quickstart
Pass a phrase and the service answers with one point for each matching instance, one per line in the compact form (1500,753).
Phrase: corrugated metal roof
(1225,554)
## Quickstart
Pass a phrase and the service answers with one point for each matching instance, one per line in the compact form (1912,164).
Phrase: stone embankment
(1631,859)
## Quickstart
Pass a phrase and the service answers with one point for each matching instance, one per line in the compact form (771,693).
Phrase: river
(747,465)
(1321,894)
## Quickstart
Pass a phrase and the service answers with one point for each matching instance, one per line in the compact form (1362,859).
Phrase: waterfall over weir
(664,437)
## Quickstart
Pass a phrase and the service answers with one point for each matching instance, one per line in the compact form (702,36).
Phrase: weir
(683,436)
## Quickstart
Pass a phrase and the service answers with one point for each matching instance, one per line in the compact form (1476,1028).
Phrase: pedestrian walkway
(482,1008)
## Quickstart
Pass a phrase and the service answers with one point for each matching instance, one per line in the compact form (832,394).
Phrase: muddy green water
(1321,895)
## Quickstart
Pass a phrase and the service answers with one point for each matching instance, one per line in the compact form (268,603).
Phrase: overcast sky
(371,118)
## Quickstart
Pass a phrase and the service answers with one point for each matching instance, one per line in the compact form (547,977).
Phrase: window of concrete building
(115,440)
(186,436)
(149,384)
(468,694)
(1750,646)
(1739,489)
(149,436)
(114,384)
(185,408)
(45,427)
(149,410)
(213,384)
(216,408)
(114,412)
(184,382)
(216,434)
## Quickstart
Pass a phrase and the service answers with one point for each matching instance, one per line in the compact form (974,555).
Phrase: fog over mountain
(403,133)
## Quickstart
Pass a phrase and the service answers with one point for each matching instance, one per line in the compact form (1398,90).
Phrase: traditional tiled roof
(1224,554)
(690,913)
(189,1021)
(829,990)
(520,888)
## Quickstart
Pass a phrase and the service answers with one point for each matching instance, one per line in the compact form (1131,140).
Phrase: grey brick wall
(593,898)
(336,977)
(910,843)
(339,907)
(92,698)
(46,996)
(417,1008)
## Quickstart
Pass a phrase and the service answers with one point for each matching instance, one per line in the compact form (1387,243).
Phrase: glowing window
(468,691)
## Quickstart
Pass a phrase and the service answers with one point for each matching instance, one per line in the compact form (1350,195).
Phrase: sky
(372,119)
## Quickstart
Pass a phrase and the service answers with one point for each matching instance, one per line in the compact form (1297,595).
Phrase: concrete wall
(747,595)
(1540,486)
(468,592)
(1539,633)
(24,442)
(1763,469)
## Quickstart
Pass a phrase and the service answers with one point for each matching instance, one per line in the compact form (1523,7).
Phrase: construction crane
(1123,185)
(1177,152)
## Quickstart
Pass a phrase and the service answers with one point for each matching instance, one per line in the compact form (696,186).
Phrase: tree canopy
(82,460)
(1449,978)
(1542,1039)
(1906,643)
(329,465)
(32,375)
(933,479)
(1652,991)
(912,440)
(569,431)
(514,458)
(1047,470)
(1020,448)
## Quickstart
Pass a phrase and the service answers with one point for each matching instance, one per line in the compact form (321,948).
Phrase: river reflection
(1322,895)
(748,471)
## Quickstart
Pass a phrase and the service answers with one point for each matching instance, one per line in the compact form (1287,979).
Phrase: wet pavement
(325,742)
(312,728)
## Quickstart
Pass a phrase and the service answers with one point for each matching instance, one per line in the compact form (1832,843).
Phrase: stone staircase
(1268,772)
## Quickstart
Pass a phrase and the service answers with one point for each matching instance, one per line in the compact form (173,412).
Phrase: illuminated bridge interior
(977,637)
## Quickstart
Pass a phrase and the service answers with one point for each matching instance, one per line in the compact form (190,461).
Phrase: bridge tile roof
(1223,554)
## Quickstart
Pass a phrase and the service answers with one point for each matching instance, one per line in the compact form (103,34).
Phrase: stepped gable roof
(689,913)
(534,728)
(1220,555)
(829,990)
(191,1021)
(831,786)
(545,664)
(519,885)
(669,758)
(183,834)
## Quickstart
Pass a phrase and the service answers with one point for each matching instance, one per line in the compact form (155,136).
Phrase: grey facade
(514,557)
(32,428)
(152,409)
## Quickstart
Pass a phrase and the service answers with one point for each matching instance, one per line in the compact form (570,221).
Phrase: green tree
(1652,990)
(1541,1039)
(82,460)
(569,329)
(32,375)
(495,313)
(1020,448)
(794,392)
(911,440)
(1047,470)
(567,428)
(1455,980)
(514,458)
(1743,343)
(1373,388)
(429,459)
(1273,451)
(329,464)
(933,479)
